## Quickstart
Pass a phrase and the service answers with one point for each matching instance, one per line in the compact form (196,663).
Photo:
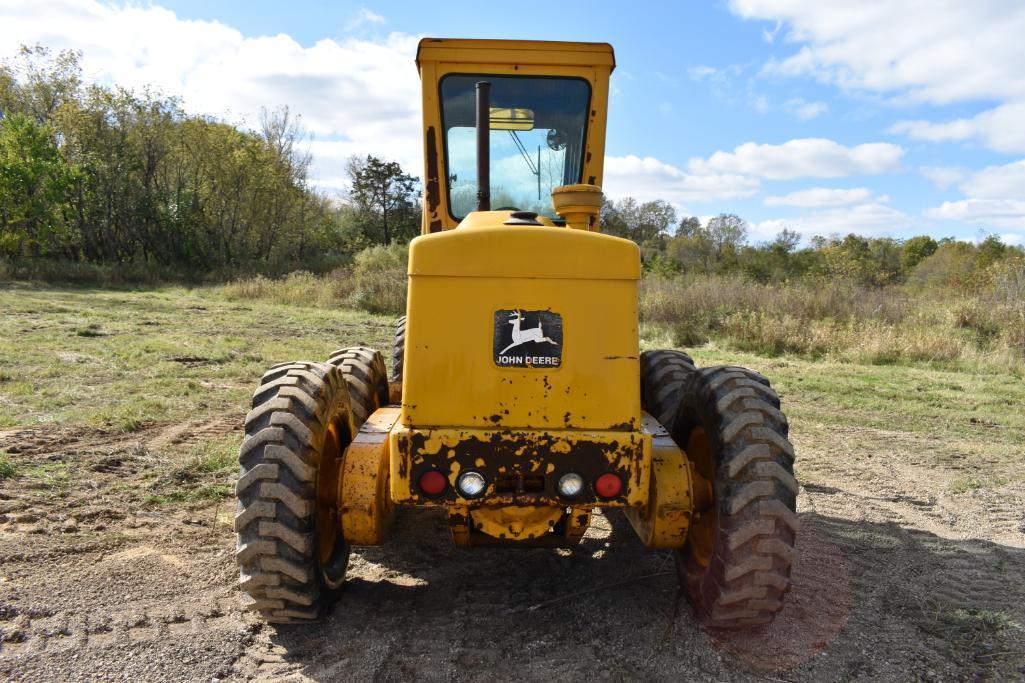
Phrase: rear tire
(366,378)
(663,375)
(398,350)
(290,551)
(735,566)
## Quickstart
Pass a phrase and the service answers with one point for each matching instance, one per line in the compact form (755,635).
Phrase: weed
(207,493)
(880,326)
(379,279)
(8,469)
(54,478)
(219,456)
(965,484)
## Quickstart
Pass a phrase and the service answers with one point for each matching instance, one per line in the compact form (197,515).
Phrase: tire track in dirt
(896,578)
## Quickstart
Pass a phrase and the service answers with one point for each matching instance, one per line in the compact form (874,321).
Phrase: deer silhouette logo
(520,336)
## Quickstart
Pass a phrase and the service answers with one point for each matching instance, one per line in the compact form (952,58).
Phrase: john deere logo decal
(528,339)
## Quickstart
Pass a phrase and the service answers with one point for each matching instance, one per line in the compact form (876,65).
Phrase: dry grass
(840,319)
(814,318)
(376,283)
(300,288)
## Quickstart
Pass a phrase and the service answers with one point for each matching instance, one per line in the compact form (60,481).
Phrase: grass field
(122,361)
(122,410)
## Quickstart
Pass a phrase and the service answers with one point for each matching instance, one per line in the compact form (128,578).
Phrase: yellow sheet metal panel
(363,489)
(484,247)
(521,467)
(664,523)
(451,378)
(453,373)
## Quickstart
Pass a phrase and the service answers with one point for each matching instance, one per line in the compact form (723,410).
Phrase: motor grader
(520,402)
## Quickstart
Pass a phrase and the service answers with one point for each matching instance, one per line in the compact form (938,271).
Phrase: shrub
(379,279)
(841,318)
(299,288)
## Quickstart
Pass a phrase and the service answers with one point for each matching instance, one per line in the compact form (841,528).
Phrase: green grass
(171,355)
(7,468)
(121,360)
(215,457)
(208,493)
(969,423)
(52,479)
(965,484)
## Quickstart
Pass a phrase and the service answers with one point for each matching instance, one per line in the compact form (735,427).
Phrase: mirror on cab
(511,119)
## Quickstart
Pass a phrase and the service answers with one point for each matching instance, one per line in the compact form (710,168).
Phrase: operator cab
(547,106)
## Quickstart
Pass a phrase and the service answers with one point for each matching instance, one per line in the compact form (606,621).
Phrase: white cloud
(802,158)
(937,51)
(821,196)
(719,76)
(1013,238)
(1001,129)
(994,197)
(363,93)
(934,51)
(871,218)
(806,110)
(770,36)
(1000,213)
(943,176)
(997,182)
(364,17)
(648,178)
(701,72)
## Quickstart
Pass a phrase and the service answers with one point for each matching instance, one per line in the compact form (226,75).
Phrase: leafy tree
(386,197)
(786,242)
(150,182)
(34,186)
(688,227)
(867,261)
(991,250)
(694,253)
(916,249)
(618,217)
(727,233)
(952,265)
(653,221)
(775,261)
(39,82)
(647,224)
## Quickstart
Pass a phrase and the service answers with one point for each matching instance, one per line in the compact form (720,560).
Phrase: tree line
(671,245)
(98,174)
(104,175)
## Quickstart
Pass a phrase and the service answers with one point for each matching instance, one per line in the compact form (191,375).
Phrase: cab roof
(541,52)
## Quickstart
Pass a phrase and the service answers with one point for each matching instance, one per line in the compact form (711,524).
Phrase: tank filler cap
(523,218)
(580,205)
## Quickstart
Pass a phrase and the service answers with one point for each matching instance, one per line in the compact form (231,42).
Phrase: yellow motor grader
(520,402)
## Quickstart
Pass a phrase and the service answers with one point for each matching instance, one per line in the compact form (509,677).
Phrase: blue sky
(898,118)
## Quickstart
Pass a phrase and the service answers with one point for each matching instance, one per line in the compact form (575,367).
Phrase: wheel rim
(701,539)
(332,551)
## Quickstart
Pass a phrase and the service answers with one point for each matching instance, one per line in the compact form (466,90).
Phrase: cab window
(538,127)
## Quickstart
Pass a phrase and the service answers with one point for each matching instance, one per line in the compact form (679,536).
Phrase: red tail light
(608,485)
(433,483)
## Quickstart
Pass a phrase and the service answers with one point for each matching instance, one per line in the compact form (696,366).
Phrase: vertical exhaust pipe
(483,92)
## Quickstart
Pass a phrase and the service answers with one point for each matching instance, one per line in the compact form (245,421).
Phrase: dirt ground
(897,579)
